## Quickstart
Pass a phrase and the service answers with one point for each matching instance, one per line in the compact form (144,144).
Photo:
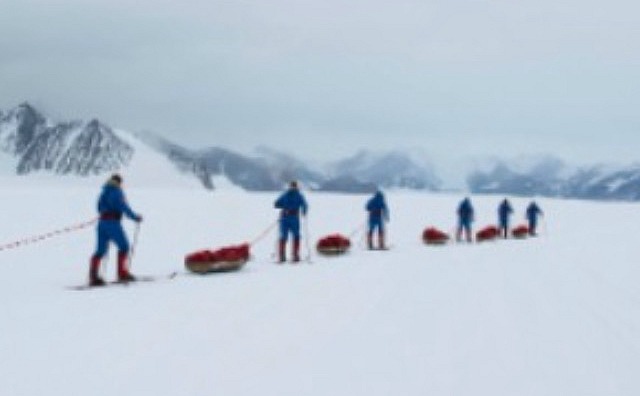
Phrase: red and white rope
(39,238)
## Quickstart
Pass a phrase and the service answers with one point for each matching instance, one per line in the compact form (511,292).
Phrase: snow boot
(467,235)
(94,272)
(381,245)
(282,257)
(123,272)
(296,250)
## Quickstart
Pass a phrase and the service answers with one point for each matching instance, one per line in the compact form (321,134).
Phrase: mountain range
(75,147)
(33,143)
(552,177)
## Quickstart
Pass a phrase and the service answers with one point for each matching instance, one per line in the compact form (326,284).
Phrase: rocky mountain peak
(71,147)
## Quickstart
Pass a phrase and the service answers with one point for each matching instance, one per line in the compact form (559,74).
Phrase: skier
(291,203)
(112,204)
(465,218)
(378,215)
(532,213)
(504,211)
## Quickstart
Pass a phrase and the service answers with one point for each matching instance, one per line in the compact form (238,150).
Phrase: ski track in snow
(554,315)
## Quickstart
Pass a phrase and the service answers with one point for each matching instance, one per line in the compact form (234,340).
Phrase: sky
(323,79)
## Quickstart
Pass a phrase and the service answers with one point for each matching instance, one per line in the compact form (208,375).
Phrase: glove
(139,219)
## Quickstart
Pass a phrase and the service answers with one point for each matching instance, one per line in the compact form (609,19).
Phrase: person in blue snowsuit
(465,218)
(378,215)
(112,205)
(291,204)
(504,212)
(532,213)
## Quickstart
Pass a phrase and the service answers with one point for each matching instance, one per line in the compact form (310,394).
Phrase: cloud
(368,73)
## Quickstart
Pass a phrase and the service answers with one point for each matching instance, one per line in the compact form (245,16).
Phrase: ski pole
(133,246)
(275,253)
(104,263)
(387,236)
(357,230)
(306,238)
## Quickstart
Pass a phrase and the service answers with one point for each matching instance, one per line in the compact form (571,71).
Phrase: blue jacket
(533,211)
(291,202)
(377,207)
(504,210)
(465,210)
(112,201)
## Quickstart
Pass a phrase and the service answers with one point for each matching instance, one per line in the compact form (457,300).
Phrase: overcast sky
(327,77)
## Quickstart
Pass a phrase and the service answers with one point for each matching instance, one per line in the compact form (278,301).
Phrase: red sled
(488,233)
(230,258)
(333,244)
(520,232)
(433,236)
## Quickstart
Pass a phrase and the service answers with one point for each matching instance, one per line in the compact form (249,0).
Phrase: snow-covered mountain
(32,143)
(545,176)
(285,167)
(213,163)
(552,177)
(393,169)
(269,169)
(74,147)
(34,146)
(606,182)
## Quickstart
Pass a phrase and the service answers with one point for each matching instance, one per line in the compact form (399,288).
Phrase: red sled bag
(230,258)
(488,233)
(333,244)
(521,231)
(433,236)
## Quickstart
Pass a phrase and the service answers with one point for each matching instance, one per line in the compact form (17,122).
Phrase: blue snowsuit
(111,206)
(465,218)
(504,211)
(378,212)
(533,210)
(290,203)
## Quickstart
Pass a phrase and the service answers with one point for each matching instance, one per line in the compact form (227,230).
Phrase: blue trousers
(533,223)
(289,225)
(376,223)
(464,224)
(110,230)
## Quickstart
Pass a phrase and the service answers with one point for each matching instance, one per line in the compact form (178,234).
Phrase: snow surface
(555,315)
(150,168)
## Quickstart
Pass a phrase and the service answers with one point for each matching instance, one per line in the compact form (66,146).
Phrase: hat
(116,178)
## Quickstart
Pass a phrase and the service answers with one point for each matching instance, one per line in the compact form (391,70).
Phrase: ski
(292,263)
(384,249)
(139,279)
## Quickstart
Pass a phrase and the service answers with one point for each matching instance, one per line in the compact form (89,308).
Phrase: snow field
(554,315)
